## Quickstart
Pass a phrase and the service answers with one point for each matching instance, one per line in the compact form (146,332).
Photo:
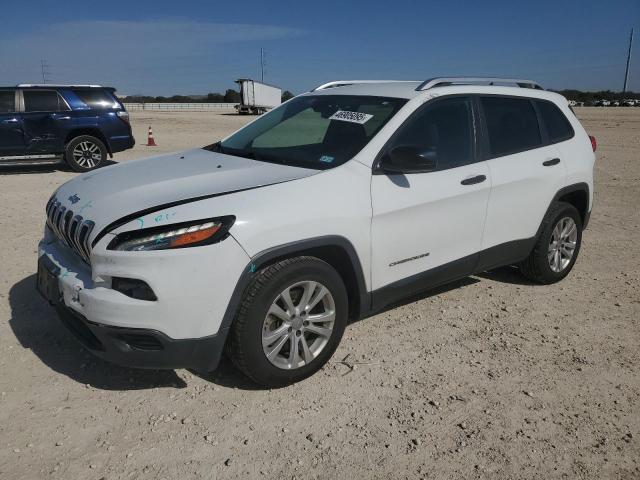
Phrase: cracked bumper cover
(184,328)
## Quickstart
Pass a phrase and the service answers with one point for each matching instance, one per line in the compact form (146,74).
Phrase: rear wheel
(557,248)
(85,153)
(290,322)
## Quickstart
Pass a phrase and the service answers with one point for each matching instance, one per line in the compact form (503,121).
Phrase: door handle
(10,120)
(473,180)
(56,117)
(552,162)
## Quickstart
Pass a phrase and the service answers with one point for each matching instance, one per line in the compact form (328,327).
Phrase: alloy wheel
(298,325)
(562,245)
(87,154)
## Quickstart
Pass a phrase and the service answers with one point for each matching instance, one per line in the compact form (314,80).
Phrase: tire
(92,150)
(255,327)
(543,265)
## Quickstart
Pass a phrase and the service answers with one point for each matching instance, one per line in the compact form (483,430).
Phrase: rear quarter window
(98,99)
(557,125)
(512,125)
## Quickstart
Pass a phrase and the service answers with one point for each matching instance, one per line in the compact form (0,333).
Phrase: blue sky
(169,47)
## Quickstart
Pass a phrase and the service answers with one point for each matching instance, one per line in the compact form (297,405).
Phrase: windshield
(321,131)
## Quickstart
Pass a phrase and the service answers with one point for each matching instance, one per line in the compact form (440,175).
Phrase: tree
(215,98)
(590,97)
(286,95)
(231,96)
(179,99)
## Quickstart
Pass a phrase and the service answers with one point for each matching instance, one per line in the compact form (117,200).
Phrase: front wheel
(290,322)
(85,153)
(556,250)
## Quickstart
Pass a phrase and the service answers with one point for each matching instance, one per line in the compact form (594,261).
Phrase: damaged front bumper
(181,329)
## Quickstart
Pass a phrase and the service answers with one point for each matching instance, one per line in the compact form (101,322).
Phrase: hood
(108,194)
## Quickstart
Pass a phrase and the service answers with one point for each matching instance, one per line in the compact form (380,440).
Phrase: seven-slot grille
(72,229)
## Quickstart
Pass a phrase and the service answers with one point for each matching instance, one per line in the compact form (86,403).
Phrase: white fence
(177,107)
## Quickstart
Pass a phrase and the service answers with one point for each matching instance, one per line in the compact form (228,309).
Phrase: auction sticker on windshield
(354,117)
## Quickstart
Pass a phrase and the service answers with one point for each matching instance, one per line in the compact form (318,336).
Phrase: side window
(445,129)
(512,124)
(96,98)
(43,101)
(7,101)
(557,125)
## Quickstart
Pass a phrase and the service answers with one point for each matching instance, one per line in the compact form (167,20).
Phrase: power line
(626,72)
(46,72)
(263,64)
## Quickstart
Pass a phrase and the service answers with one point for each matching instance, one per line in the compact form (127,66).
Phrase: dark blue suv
(81,124)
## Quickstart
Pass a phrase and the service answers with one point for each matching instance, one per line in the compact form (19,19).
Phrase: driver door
(45,120)
(427,227)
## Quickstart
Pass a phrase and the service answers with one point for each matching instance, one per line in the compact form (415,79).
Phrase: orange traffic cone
(150,141)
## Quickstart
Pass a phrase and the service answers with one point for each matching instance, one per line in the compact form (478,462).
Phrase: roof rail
(445,81)
(342,83)
(54,85)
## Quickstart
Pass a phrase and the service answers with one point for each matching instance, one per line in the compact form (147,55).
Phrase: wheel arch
(578,196)
(94,132)
(337,251)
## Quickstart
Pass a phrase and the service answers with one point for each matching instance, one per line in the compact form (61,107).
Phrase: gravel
(400,414)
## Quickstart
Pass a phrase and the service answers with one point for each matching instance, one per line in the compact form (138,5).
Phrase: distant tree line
(233,96)
(589,97)
(230,96)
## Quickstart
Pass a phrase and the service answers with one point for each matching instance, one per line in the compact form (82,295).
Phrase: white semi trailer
(256,97)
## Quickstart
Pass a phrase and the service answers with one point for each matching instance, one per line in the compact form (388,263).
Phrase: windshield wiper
(252,155)
(238,152)
(244,153)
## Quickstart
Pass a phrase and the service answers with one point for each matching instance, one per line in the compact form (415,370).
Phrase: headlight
(181,235)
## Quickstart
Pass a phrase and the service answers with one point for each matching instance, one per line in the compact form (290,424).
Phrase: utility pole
(262,64)
(44,68)
(626,73)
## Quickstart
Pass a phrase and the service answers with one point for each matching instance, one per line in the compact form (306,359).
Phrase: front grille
(71,229)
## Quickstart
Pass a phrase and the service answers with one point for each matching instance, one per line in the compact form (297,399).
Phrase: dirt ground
(490,377)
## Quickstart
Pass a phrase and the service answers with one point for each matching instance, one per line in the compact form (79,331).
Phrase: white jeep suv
(329,208)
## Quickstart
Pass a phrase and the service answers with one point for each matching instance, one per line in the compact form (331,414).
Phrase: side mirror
(409,159)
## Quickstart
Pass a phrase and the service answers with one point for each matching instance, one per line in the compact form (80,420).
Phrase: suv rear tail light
(123,115)
(594,144)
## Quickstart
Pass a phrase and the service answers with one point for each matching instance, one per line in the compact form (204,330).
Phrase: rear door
(526,171)
(11,135)
(45,121)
